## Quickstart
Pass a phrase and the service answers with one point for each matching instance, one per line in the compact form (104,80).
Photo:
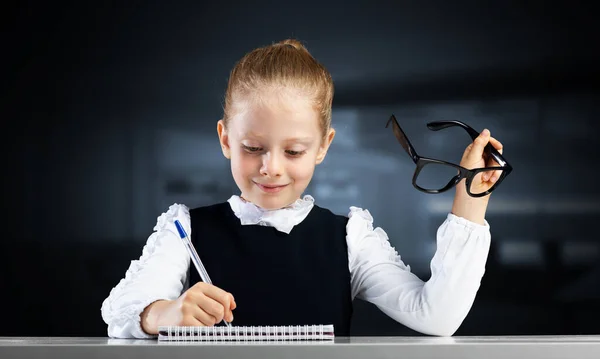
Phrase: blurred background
(110,116)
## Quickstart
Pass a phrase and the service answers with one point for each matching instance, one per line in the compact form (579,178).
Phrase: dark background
(110,111)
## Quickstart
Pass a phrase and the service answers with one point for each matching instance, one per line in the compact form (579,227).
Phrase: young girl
(274,256)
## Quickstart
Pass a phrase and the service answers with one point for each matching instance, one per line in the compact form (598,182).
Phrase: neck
(286,206)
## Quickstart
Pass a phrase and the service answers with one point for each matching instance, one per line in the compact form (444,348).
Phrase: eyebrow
(304,140)
(252,134)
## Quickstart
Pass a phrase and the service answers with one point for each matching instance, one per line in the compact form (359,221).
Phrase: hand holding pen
(201,305)
(204,302)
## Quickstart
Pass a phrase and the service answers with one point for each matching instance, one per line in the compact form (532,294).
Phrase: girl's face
(274,147)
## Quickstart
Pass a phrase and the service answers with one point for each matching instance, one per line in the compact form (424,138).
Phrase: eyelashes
(251,149)
(258,150)
(295,153)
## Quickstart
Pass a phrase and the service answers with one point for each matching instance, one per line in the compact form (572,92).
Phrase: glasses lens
(435,176)
(476,187)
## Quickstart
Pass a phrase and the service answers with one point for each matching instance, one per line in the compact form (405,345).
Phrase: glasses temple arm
(401,137)
(440,125)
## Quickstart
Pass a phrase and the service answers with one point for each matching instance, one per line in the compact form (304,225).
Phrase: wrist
(470,208)
(150,316)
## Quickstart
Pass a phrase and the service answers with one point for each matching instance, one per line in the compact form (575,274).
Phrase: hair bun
(293,43)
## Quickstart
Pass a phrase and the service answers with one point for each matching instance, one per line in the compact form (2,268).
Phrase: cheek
(302,169)
(244,164)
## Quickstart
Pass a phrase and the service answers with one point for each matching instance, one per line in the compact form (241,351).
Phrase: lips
(270,188)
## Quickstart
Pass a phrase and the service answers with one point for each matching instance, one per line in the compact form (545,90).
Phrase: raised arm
(436,307)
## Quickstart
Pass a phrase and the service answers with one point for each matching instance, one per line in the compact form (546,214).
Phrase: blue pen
(194,257)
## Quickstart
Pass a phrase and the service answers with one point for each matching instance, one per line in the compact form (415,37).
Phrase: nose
(272,165)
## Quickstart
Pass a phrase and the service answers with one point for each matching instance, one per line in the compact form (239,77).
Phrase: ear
(224,139)
(325,146)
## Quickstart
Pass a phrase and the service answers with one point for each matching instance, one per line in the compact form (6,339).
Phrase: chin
(271,202)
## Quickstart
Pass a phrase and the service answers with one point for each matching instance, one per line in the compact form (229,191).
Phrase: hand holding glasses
(437,176)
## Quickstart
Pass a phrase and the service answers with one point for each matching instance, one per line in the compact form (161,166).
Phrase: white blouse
(378,275)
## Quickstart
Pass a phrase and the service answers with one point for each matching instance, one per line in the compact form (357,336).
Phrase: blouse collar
(283,219)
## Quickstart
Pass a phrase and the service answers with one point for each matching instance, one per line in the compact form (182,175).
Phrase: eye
(251,148)
(295,153)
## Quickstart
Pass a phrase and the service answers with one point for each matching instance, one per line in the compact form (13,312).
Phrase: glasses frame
(468,174)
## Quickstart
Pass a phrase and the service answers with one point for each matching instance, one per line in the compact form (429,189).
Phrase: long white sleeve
(160,273)
(436,307)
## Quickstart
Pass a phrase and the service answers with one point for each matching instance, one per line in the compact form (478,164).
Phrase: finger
(226,299)
(499,147)
(491,175)
(229,309)
(223,298)
(496,144)
(194,315)
(229,312)
(467,151)
(192,321)
(204,318)
(214,310)
(486,175)
(496,176)
(196,305)
(478,145)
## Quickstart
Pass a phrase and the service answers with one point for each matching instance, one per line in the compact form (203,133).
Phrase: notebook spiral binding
(247,333)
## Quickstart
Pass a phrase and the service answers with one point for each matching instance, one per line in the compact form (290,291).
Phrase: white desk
(531,347)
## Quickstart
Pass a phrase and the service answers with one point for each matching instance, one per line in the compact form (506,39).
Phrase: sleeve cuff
(470,225)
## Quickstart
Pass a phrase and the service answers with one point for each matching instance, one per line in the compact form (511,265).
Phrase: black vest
(301,278)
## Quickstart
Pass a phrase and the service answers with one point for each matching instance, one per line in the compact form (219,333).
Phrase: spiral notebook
(247,333)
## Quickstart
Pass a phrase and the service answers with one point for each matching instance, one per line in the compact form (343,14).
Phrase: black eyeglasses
(431,175)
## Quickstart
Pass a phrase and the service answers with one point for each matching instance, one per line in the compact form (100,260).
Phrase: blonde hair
(284,65)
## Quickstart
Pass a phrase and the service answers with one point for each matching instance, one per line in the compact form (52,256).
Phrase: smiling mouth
(270,188)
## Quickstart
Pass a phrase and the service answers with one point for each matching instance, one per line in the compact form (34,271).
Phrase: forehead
(291,116)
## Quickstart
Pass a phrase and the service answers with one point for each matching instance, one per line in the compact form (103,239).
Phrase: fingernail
(486,132)
(494,179)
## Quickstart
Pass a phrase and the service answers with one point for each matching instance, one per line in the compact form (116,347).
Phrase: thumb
(479,144)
